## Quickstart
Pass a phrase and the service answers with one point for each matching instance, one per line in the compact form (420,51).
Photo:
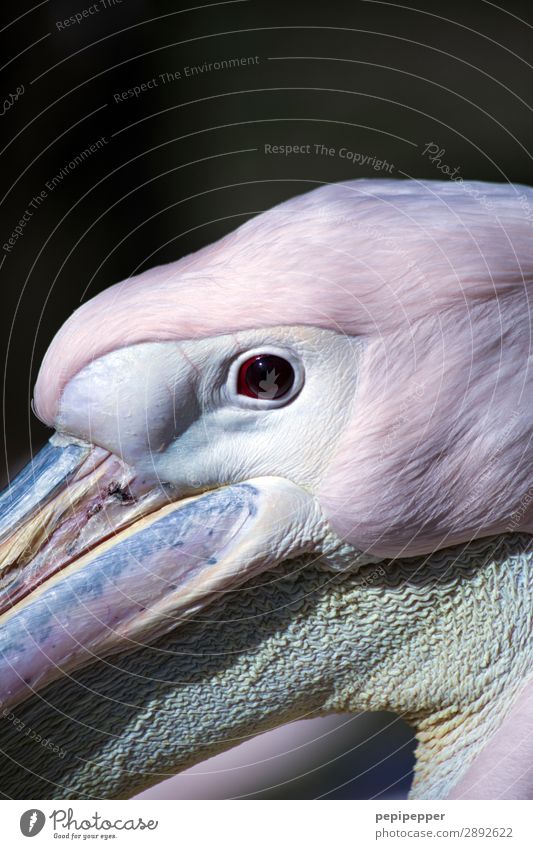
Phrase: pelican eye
(265,376)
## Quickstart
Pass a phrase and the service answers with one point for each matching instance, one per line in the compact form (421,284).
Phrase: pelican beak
(94,560)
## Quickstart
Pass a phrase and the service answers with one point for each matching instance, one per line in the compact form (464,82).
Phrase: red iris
(265,376)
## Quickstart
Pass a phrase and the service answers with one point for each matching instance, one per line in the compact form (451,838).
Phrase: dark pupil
(268,376)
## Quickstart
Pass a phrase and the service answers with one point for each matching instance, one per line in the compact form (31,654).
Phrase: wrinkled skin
(414,637)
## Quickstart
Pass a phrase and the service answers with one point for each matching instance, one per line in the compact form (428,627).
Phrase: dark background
(184,162)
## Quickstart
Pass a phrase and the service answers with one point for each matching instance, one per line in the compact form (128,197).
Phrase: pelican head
(290,475)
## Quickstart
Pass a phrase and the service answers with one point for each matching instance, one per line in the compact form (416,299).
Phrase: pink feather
(435,277)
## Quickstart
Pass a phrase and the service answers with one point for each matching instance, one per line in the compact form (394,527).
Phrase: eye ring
(265,378)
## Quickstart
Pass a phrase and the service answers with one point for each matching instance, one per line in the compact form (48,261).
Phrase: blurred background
(135,132)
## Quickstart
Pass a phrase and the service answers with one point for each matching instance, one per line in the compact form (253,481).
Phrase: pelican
(290,475)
